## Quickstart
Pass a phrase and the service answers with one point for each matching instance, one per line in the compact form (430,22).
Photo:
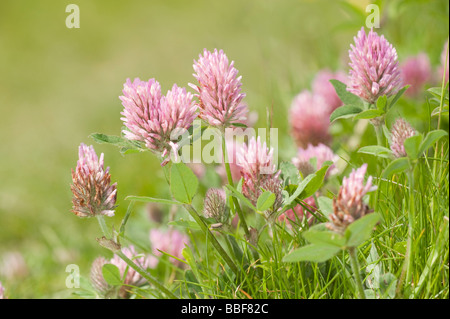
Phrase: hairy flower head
(299,212)
(416,71)
(155,119)
(259,171)
(349,205)
(374,67)
(130,276)
(92,191)
(321,153)
(170,241)
(219,90)
(401,130)
(214,205)
(309,118)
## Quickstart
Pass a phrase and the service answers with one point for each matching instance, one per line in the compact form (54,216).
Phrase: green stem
(441,105)
(407,264)
(206,230)
(130,263)
(411,214)
(230,181)
(355,268)
(379,133)
(211,237)
(442,91)
(103,227)
(145,275)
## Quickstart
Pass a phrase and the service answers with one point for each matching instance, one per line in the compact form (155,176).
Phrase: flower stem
(407,265)
(355,268)
(379,133)
(230,181)
(211,237)
(145,275)
(130,263)
(103,227)
(205,229)
(411,214)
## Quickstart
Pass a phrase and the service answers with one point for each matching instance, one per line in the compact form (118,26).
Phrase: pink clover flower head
(214,205)
(349,205)
(219,90)
(416,71)
(298,213)
(132,277)
(309,119)
(374,67)
(401,130)
(321,153)
(258,170)
(171,241)
(155,119)
(92,191)
(96,275)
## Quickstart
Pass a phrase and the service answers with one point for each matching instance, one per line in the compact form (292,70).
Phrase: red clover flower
(92,191)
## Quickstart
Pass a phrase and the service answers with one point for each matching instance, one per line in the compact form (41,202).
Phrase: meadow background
(59,85)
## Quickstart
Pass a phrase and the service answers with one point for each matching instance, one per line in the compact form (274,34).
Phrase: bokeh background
(59,85)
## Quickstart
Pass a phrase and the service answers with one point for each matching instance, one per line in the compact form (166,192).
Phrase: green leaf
(387,134)
(412,146)
(239,125)
(430,139)
(325,205)
(126,146)
(320,235)
(437,92)
(316,181)
(388,284)
(111,274)
(396,166)
(183,183)
(346,97)
(265,201)
(107,139)
(374,268)
(289,173)
(238,253)
(185,223)
(239,185)
(299,189)
(152,200)
(345,111)
(190,260)
(381,103)
(400,247)
(398,95)
(368,114)
(438,111)
(241,197)
(376,150)
(192,284)
(361,230)
(313,252)
(370,294)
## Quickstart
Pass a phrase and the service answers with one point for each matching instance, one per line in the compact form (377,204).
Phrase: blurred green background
(59,85)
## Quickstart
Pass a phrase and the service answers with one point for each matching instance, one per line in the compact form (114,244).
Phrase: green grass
(59,85)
